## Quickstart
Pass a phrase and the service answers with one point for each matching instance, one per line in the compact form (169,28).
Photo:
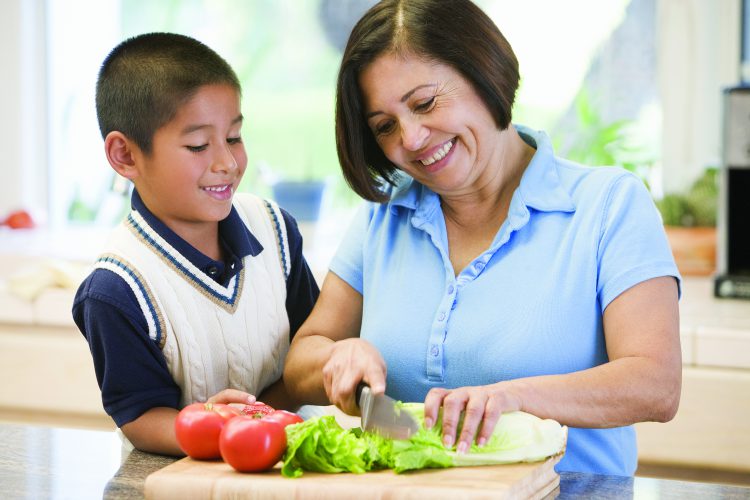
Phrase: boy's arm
(276,396)
(154,432)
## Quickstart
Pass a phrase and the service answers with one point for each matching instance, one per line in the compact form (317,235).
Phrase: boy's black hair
(146,78)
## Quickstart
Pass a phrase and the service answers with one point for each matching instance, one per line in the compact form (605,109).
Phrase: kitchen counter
(48,462)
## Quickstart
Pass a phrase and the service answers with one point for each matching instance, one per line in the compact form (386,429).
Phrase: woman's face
(430,122)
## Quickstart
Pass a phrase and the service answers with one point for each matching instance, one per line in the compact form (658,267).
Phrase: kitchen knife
(381,415)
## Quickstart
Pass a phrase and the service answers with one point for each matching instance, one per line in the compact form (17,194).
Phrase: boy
(199,292)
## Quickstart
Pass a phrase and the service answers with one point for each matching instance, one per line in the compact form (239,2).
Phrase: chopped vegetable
(320,444)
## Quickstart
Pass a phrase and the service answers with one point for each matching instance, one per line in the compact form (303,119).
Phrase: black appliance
(733,252)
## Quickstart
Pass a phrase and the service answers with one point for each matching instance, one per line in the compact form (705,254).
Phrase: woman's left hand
(481,406)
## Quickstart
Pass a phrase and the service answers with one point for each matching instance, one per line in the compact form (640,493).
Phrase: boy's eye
(425,105)
(234,140)
(197,149)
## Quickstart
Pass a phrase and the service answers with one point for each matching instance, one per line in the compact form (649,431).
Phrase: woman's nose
(413,135)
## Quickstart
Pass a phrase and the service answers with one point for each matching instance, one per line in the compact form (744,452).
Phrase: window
(589,77)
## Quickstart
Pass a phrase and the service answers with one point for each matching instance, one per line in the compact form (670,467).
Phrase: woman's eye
(197,149)
(384,128)
(425,105)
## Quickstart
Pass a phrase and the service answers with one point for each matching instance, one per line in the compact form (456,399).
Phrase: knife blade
(381,415)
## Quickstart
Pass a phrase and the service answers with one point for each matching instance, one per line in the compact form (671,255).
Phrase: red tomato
(284,417)
(252,444)
(20,219)
(257,409)
(198,427)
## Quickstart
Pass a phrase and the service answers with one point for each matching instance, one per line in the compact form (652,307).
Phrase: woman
(486,275)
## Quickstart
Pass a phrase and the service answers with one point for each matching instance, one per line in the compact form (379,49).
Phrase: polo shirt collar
(234,234)
(540,186)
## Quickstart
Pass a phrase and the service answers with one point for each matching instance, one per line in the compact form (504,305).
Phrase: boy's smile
(196,164)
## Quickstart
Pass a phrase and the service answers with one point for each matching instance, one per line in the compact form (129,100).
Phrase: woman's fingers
(474,413)
(492,411)
(352,361)
(453,405)
(468,414)
(432,404)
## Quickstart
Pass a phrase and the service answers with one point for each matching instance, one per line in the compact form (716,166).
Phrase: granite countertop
(48,462)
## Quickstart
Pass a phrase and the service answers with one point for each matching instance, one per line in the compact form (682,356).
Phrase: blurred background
(635,83)
(629,82)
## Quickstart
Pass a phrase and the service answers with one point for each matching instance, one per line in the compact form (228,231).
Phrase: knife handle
(358,392)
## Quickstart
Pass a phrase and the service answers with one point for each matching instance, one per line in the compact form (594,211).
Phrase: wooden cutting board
(194,479)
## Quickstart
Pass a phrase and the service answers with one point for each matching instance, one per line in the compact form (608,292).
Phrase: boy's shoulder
(108,287)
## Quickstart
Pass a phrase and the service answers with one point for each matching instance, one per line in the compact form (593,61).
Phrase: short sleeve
(633,246)
(130,368)
(347,263)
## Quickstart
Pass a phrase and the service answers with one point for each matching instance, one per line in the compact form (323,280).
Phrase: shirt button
(479,265)
(231,266)
(441,316)
(450,289)
(434,351)
(213,270)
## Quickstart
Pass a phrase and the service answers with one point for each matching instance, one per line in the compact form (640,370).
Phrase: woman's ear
(121,153)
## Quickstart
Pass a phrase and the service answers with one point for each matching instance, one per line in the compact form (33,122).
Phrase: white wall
(699,54)
(23,134)
(10,116)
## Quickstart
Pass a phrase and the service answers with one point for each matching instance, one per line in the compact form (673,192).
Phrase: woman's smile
(437,157)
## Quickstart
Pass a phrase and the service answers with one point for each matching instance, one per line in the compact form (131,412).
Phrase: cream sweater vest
(213,337)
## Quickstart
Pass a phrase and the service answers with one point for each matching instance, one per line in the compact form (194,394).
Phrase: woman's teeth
(439,154)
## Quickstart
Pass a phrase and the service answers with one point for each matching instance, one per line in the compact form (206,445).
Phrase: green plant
(596,142)
(696,207)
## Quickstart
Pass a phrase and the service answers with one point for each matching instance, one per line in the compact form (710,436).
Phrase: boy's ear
(121,153)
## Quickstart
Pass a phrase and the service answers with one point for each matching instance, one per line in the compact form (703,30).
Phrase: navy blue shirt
(130,368)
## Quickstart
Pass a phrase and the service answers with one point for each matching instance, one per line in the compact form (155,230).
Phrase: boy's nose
(225,161)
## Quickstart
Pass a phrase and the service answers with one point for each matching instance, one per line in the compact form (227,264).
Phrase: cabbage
(321,445)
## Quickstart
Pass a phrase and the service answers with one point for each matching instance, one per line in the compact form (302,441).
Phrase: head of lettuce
(320,444)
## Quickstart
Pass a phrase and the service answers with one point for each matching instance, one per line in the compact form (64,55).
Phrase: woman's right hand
(352,361)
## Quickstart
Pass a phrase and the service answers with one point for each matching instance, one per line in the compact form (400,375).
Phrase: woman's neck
(489,202)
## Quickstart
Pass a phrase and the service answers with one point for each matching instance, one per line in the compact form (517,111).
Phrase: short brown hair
(452,32)
(145,79)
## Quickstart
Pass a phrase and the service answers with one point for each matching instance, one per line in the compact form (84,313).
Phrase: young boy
(200,291)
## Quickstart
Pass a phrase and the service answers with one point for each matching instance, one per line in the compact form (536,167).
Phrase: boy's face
(196,162)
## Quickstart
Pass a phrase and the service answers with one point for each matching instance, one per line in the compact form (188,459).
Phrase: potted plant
(689,218)
(690,223)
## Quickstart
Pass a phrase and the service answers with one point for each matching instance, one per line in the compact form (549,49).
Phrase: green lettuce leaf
(321,445)
(517,437)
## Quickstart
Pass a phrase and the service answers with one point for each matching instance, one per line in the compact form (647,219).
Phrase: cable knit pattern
(214,337)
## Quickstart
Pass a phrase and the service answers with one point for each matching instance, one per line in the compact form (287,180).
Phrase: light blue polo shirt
(575,238)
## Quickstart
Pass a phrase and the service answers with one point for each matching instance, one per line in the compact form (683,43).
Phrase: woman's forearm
(303,370)
(622,392)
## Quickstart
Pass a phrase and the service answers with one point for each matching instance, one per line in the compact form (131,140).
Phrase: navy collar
(235,237)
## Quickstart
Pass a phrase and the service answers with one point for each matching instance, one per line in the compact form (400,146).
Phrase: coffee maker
(733,227)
